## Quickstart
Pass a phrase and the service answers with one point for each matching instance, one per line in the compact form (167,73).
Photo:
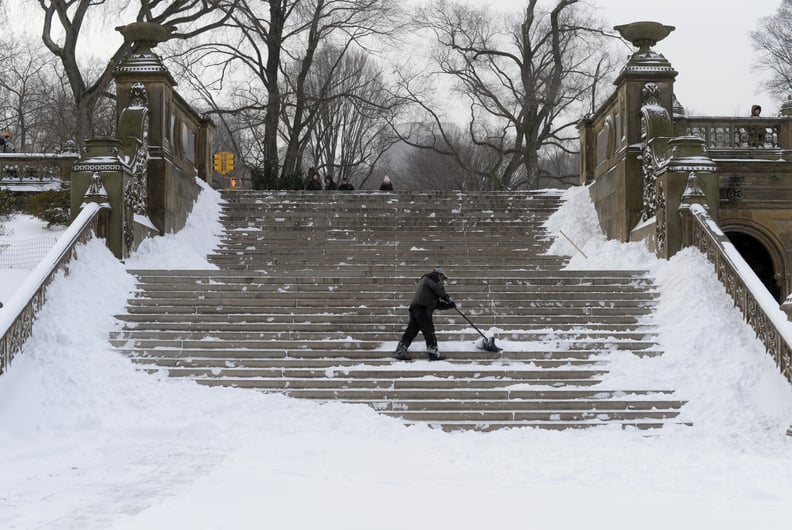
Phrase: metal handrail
(19,312)
(758,306)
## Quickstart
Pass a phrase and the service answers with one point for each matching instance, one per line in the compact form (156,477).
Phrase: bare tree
(238,75)
(772,39)
(23,89)
(427,169)
(265,61)
(57,120)
(347,24)
(526,81)
(351,131)
(65,20)
(450,166)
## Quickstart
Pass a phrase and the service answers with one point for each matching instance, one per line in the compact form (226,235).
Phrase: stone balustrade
(736,133)
(33,172)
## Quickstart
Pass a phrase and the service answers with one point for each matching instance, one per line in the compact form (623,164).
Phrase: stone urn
(645,34)
(145,35)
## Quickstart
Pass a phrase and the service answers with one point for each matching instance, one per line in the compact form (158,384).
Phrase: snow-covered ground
(16,230)
(87,442)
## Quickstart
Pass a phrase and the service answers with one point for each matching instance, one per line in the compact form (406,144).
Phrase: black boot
(401,353)
(433,354)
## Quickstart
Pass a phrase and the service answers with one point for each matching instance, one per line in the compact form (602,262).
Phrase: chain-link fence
(24,254)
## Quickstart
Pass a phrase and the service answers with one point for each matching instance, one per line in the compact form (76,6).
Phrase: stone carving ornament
(135,191)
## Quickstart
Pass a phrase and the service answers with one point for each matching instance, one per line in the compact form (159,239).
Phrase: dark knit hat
(439,271)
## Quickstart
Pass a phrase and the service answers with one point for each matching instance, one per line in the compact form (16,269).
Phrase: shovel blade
(489,345)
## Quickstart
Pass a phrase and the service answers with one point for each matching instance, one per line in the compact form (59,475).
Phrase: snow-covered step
(296,343)
(169,356)
(342,375)
(322,388)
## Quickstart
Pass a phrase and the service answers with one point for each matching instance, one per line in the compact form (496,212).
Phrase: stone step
(312,334)
(443,417)
(345,278)
(301,311)
(402,202)
(575,405)
(488,293)
(348,343)
(401,286)
(206,362)
(208,323)
(308,389)
(378,373)
(345,299)
(343,357)
(553,425)
(403,391)
(185,314)
(368,252)
(385,218)
(378,273)
(509,322)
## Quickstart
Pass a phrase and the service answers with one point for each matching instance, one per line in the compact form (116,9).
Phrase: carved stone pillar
(100,175)
(688,156)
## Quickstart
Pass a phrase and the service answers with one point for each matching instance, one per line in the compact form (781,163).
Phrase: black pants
(420,320)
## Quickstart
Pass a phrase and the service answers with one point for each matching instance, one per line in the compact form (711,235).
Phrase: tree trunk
(273,108)
(292,162)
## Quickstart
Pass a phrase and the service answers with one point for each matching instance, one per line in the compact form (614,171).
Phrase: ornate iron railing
(19,312)
(758,306)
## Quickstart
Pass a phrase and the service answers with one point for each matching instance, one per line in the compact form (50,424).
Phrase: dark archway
(757,256)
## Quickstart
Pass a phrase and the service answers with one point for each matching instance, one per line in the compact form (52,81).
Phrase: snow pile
(186,249)
(710,356)
(15,231)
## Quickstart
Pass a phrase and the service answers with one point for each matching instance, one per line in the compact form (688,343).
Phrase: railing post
(785,127)
(688,158)
(786,306)
(101,176)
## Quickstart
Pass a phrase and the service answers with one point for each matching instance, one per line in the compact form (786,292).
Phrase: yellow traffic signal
(223,162)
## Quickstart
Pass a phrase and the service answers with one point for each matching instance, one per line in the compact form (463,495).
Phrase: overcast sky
(710,48)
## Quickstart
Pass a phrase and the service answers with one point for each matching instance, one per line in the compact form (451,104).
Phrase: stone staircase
(311,296)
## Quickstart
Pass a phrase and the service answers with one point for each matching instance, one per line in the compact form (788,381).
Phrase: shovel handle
(471,323)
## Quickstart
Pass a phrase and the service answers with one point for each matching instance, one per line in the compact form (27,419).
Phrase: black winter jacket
(430,293)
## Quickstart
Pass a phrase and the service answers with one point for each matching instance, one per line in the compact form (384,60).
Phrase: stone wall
(146,176)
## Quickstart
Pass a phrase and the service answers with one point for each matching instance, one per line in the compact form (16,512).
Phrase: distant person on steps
(345,184)
(386,184)
(756,135)
(313,183)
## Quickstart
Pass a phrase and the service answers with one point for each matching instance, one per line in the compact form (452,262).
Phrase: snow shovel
(486,344)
